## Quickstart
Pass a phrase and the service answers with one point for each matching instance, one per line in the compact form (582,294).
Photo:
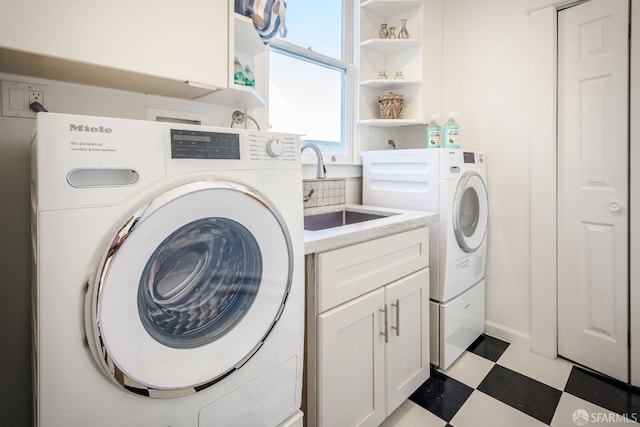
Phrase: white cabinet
(351,364)
(367,329)
(178,49)
(391,56)
(408,319)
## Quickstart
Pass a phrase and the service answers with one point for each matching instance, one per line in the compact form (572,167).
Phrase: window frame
(284,47)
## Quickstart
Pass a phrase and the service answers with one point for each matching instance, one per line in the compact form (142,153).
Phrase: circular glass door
(189,288)
(470,212)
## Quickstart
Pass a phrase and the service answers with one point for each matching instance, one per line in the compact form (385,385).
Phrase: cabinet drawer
(346,273)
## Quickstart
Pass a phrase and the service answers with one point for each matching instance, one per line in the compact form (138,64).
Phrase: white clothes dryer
(168,284)
(451,182)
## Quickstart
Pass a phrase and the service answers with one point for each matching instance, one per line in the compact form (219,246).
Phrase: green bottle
(451,131)
(433,132)
(249,77)
(238,75)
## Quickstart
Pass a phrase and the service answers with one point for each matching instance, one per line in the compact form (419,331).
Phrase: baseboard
(507,334)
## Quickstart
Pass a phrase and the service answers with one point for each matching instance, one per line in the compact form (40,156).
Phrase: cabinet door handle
(385,334)
(397,327)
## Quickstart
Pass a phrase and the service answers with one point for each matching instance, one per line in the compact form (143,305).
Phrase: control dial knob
(275,147)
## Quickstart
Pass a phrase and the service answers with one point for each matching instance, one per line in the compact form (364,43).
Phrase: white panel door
(593,185)
(351,363)
(408,347)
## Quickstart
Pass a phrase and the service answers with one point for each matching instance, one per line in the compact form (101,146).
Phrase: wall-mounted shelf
(387,84)
(237,96)
(389,46)
(387,9)
(390,123)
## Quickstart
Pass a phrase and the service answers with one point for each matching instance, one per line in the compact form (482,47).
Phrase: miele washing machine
(168,284)
(453,183)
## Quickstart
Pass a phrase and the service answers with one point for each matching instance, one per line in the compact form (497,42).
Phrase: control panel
(265,146)
(196,144)
(214,144)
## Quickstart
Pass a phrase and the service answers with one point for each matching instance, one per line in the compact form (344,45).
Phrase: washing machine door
(470,211)
(189,289)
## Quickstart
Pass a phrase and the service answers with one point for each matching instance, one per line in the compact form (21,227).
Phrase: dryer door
(470,211)
(189,289)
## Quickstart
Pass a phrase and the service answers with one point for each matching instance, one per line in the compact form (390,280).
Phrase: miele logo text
(85,128)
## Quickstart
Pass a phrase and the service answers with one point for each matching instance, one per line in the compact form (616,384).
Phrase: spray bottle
(433,132)
(451,131)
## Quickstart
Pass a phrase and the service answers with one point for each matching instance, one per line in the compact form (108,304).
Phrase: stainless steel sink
(322,221)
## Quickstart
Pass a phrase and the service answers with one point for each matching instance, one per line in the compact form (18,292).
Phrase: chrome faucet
(321,171)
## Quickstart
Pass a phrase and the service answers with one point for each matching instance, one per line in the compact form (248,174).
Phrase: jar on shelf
(382,74)
(399,75)
(403,34)
(392,33)
(383,33)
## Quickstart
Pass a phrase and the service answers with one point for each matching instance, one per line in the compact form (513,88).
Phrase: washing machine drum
(470,211)
(189,289)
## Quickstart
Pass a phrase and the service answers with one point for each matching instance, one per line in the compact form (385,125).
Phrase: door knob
(614,207)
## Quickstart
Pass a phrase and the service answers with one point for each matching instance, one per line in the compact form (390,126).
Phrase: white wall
(485,78)
(15,138)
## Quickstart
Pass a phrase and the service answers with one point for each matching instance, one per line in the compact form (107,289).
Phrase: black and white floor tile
(497,384)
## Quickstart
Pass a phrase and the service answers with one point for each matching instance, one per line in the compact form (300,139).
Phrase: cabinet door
(407,361)
(183,41)
(351,363)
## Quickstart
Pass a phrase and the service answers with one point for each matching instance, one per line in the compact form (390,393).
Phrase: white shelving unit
(246,45)
(390,55)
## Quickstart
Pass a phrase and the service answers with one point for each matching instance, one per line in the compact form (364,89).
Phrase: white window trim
(348,37)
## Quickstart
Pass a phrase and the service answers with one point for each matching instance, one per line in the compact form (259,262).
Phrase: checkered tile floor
(497,384)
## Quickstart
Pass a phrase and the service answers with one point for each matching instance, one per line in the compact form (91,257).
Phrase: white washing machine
(452,183)
(168,284)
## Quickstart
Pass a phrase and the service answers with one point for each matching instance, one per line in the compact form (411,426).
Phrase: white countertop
(397,221)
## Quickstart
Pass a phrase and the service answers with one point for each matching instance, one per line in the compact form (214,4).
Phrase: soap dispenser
(451,132)
(433,132)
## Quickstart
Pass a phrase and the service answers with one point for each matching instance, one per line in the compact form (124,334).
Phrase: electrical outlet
(36,96)
(17,96)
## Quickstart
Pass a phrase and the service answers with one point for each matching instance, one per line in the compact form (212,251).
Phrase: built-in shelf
(388,123)
(387,9)
(386,84)
(236,96)
(387,46)
(390,55)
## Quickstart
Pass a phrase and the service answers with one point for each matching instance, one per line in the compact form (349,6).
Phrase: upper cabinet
(178,49)
(398,56)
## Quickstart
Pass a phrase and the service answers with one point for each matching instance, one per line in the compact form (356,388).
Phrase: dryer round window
(189,289)
(470,212)
(199,283)
(469,208)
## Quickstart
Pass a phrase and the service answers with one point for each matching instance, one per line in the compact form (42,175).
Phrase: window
(311,76)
